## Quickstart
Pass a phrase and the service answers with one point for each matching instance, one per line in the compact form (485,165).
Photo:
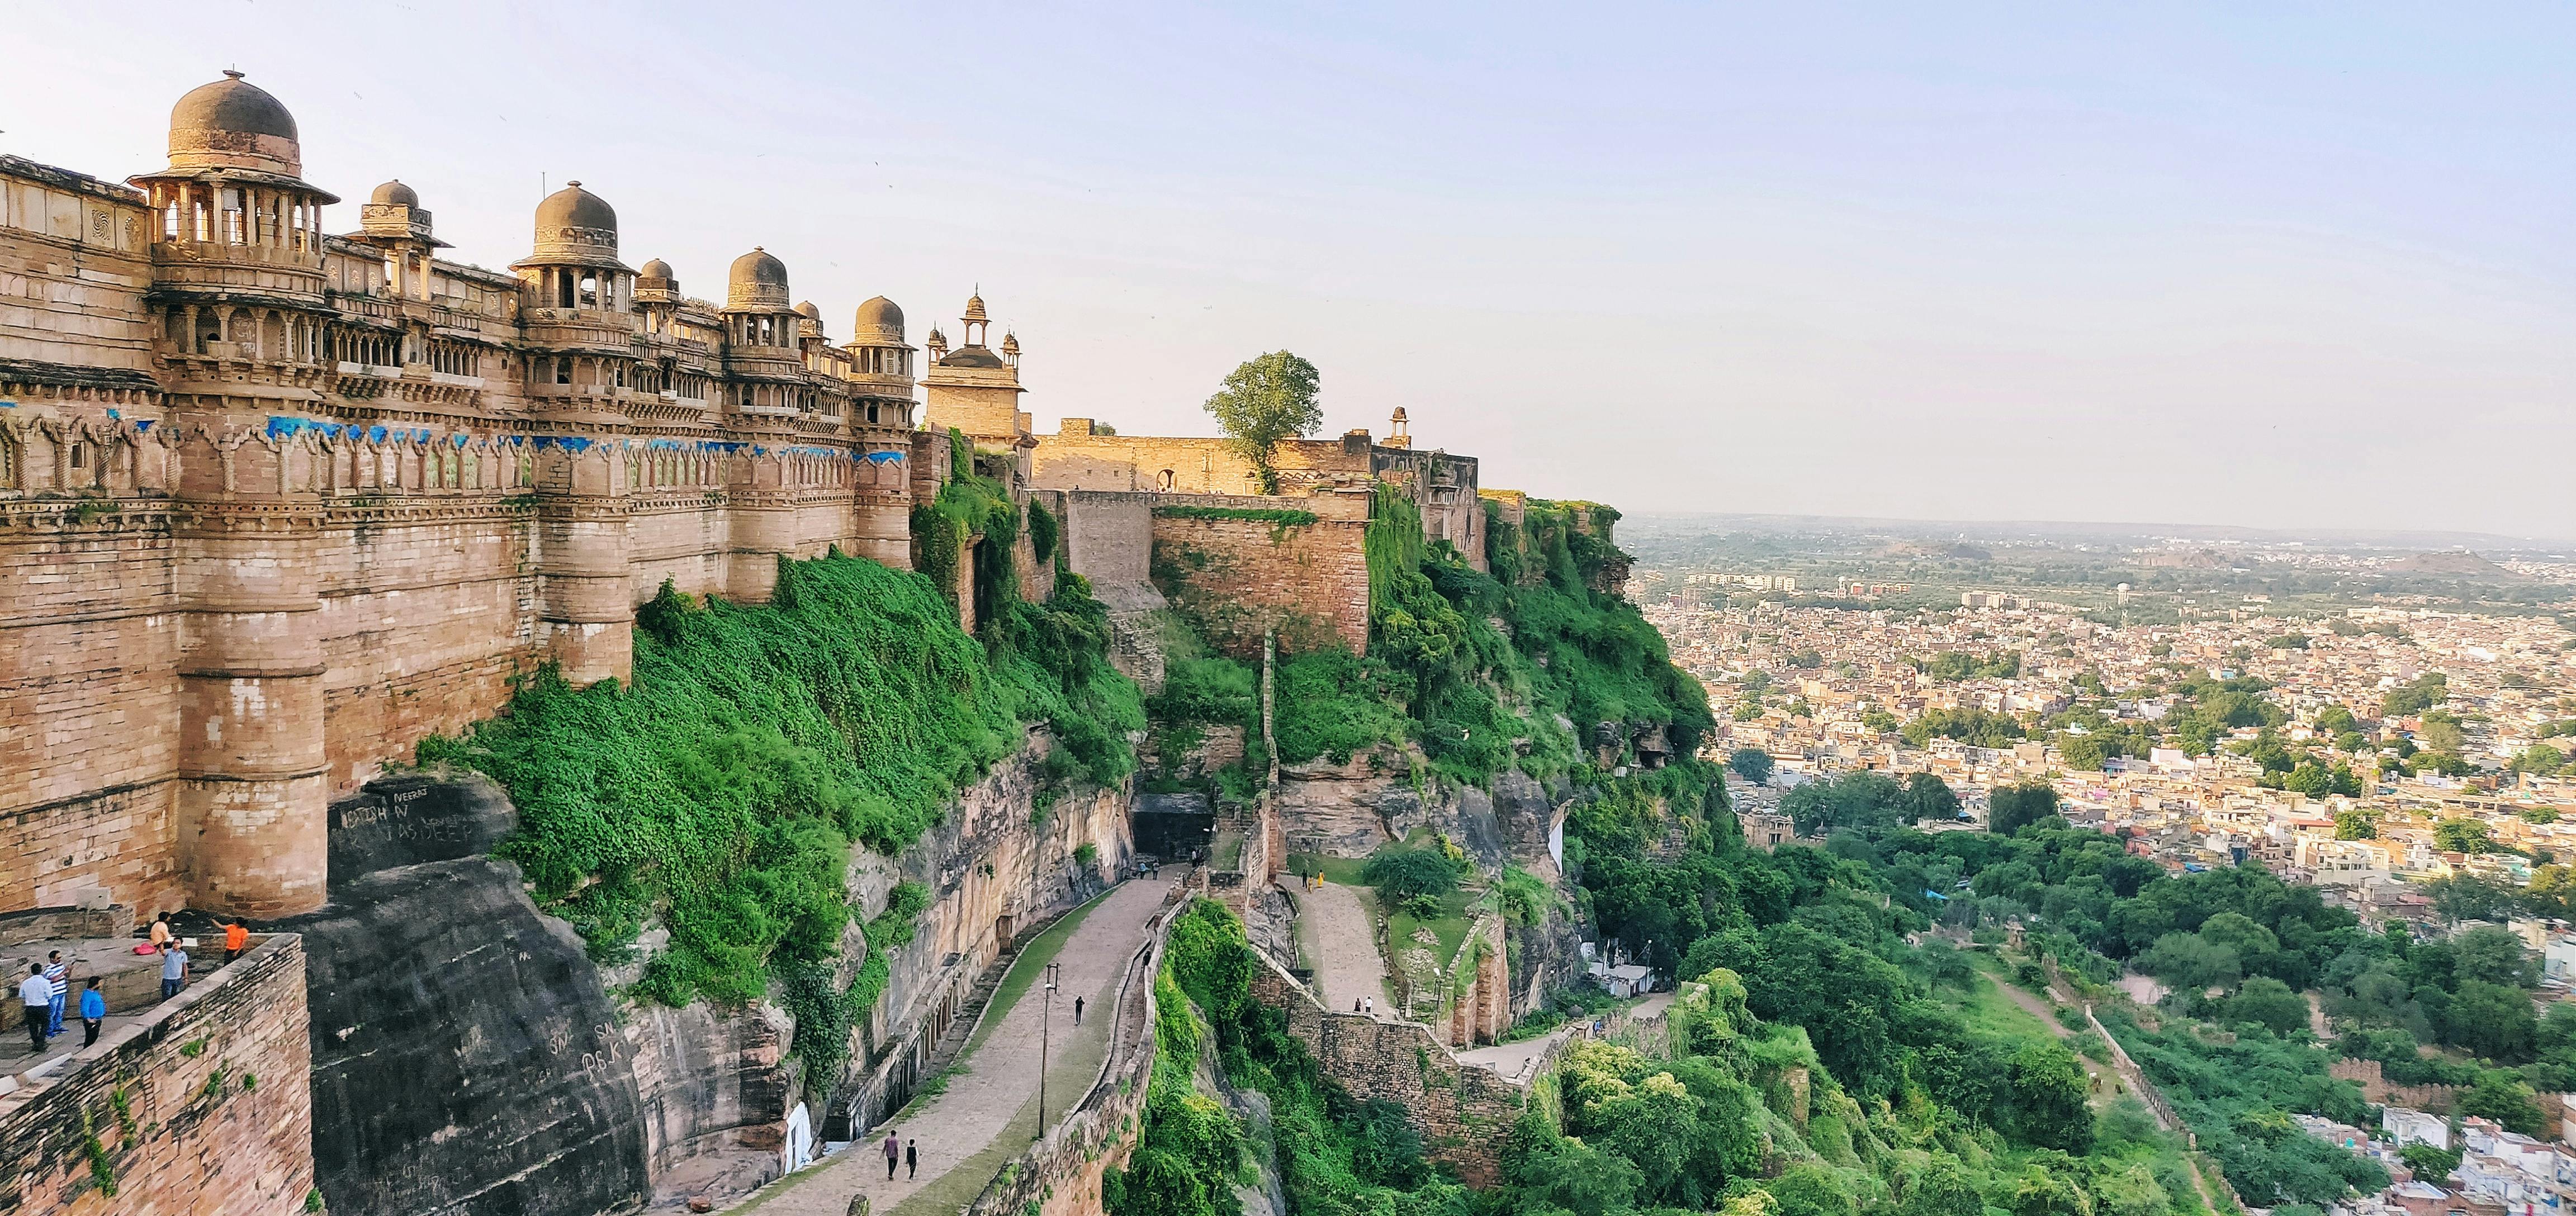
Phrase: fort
(278,502)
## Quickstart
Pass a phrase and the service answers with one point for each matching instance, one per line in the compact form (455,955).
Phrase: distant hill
(2195,559)
(2456,563)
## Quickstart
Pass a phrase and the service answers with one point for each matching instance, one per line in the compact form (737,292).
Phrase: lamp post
(1046,1030)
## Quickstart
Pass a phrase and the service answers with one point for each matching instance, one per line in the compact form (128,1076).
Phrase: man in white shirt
(36,999)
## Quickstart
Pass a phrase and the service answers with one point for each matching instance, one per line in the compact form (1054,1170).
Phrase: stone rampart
(1461,1111)
(1239,568)
(199,1108)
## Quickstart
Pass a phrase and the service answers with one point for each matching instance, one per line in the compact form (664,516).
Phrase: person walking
(35,1000)
(911,1160)
(174,970)
(93,1011)
(58,974)
(1355,1004)
(1368,1005)
(894,1153)
(236,941)
(1077,1011)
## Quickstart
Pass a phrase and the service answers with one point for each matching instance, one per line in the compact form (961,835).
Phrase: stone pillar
(253,780)
(585,603)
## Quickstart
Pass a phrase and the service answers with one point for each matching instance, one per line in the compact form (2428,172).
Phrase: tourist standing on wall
(36,1000)
(93,1011)
(174,970)
(58,974)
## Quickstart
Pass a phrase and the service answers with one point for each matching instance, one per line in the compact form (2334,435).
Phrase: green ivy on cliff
(721,790)
(1336,1153)
(1498,671)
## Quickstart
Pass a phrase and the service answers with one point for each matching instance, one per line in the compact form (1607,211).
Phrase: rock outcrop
(471,1059)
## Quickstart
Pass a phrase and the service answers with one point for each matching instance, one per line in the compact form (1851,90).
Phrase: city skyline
(2274,271)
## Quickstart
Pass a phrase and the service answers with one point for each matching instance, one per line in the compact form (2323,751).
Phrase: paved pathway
(1346,960)
(988,1112)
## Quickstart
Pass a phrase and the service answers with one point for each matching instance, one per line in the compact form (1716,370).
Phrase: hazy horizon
(2276,269)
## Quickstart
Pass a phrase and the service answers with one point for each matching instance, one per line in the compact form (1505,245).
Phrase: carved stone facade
(275,502)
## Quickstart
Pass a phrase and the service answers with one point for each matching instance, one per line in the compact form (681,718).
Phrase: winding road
(988,1112)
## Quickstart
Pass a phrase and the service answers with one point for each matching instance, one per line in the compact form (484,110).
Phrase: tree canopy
(1266,401)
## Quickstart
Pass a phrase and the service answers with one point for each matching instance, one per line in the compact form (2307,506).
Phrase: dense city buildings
(2330,747)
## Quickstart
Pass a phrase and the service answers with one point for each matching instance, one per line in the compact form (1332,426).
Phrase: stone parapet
(199,1107)
(1461,1111)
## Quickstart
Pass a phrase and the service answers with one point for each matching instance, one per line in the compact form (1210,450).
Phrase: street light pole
(1046,1030)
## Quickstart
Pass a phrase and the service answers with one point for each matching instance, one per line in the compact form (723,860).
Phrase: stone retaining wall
(1461,1111)
(201,1108)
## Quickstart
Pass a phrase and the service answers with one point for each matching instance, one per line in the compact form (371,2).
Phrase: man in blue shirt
(36,999)
(174,970)
(93,1011)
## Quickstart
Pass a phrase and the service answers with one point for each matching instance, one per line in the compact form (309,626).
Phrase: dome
(395,194)
(575,223)
(655,269)
(759,281)
(879,323)
(973,356)
(1010,344)
(234,124)
(975,306)
(807,310)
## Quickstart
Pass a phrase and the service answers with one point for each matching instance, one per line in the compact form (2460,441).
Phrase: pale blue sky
(2271,265)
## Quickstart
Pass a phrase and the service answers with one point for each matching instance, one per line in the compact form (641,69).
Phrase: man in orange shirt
(236,941)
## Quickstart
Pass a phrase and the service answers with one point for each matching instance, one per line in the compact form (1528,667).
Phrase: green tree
(2356,824)
(2192,962)
(1751,763)
(2462,836)
(2011,807)
(2129,1192)
(2540,759)
(2428,1162)
(2492,1020)
(1400,874)
(1811,1190)
(1267,401)
(2495,955)
(2270,1003)
(2499,1097)
(1929,797)
(2552,892)
(2041,1191)
(2441,733)
(1941,1188)
(2460,897)
(2048,1093)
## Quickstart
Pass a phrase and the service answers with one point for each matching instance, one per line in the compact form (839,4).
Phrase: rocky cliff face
(1348,810)
(465,1054)
(469,1059)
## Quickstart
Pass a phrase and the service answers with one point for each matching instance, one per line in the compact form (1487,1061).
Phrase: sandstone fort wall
(1237,576)
(199,1109)
(1462,1112)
